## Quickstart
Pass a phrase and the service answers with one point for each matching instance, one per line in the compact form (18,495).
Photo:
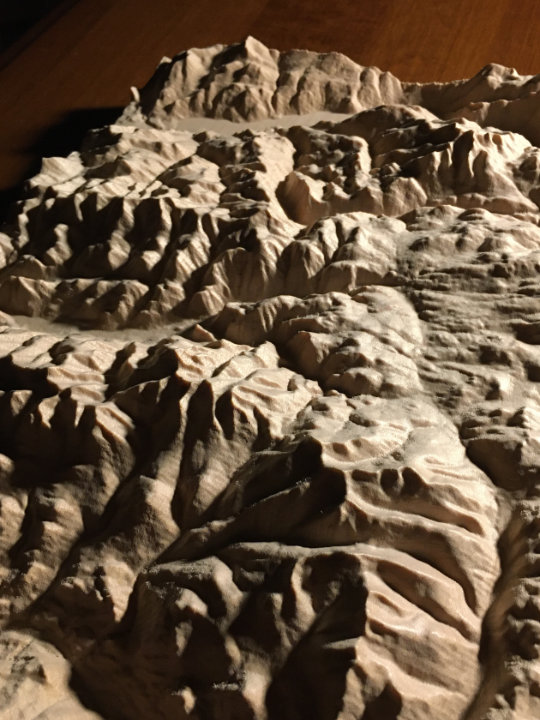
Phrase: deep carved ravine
(270,401)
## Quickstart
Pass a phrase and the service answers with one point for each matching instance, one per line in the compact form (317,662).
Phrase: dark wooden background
(72,70)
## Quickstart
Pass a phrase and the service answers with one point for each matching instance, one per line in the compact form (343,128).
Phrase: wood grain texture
(93,52)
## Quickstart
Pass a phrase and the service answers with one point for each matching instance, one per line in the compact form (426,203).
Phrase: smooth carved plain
(270,406)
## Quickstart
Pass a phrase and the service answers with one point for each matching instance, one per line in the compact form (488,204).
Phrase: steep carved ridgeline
(270,402)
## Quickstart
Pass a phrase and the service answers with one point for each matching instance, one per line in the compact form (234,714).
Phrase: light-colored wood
(91,55)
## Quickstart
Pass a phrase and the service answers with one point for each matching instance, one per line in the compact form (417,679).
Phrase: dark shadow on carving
(387,705)
(60,139)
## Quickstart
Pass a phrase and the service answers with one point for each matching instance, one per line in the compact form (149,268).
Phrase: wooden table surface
(73,71)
